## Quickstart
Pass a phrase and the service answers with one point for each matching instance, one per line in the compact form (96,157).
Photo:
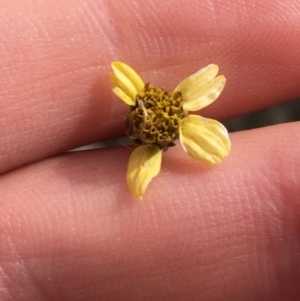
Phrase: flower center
(155,117)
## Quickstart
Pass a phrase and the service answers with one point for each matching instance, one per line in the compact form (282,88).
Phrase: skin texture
(69,227)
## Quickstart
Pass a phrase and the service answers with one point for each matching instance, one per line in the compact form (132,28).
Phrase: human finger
(72,230)
(55,62)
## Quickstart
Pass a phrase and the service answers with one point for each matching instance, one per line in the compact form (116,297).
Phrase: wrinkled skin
(69,227)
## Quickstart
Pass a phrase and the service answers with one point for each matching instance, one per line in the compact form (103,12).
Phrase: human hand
(69,227)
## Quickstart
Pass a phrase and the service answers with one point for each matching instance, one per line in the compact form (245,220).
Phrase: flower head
(157,118)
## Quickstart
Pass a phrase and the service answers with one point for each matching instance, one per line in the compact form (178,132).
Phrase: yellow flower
(157,118)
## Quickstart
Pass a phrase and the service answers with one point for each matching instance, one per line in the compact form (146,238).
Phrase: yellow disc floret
(155,117)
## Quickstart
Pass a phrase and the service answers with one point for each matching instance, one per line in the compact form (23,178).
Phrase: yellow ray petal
(114,80)
(128,80)
(201,77)
(121,91)
(205,140)
(127,99)
(202,88)
(144,164)
(205,95)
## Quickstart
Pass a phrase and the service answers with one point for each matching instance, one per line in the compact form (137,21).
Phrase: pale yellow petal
(121,94)
(127,79)
(202,88)
(144,164)
(195,100)
(119,84)
(114,80)
(122,91)
(201,77)
(205,140)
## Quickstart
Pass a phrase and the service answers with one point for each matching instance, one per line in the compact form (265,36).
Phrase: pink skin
(69,227)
